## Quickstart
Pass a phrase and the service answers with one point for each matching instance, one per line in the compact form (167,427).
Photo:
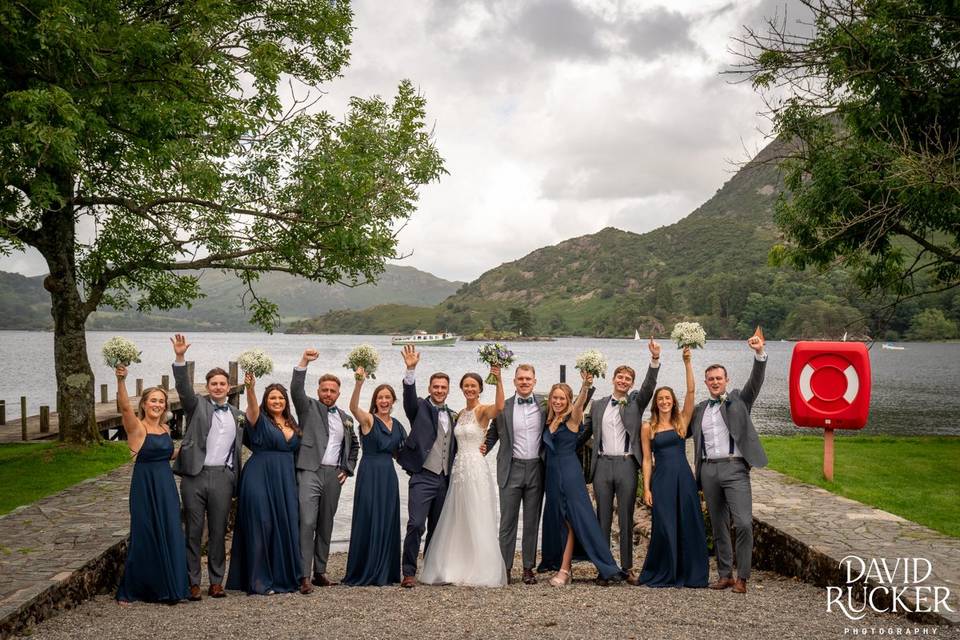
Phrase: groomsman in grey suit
(726,447)
(209,465)
(327,457)
(614,422)
(519,429)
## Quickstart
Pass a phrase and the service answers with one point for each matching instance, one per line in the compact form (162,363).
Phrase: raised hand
(686,354)
(587,378)
(410,356)
(248,380)
(310,355)
(121,372)
(495,371)
(654,349)
(180,345)
(756,341)
(359,374)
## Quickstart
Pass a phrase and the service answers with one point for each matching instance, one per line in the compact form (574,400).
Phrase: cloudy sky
(556,118)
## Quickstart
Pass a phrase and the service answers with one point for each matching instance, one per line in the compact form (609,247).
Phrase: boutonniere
(455,415)
(723,398)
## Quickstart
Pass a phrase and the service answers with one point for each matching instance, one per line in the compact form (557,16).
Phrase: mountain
(24,304)
(711,266)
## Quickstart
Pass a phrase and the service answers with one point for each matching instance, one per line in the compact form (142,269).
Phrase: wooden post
(191,370)
(103,394)
(234,373)
(828,454)
(139,387)
(563,373)
(165,382)
(45,419)
(3,412)
(23,418)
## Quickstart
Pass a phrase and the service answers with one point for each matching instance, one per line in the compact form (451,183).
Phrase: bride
(465,549)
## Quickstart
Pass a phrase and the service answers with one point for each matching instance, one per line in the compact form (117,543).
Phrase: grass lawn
(31,471)
(917,478)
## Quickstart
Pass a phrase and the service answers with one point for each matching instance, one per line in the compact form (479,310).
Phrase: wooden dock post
(23,418)
(44,419)
(563,373)
(103,394)
(139,387)
(234,373)
(165,382)
(3,412)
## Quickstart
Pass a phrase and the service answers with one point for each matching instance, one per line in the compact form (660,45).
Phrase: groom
(726,447)
(614,421)
(519,428)
(427,455)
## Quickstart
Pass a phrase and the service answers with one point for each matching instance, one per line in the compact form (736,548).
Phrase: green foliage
(917,478)
(932,324)
(874,109)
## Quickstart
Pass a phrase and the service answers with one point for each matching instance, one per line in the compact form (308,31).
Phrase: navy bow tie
(220,407)
(441,407)
(331,409)
(525,400)
(714,402)
(615,402)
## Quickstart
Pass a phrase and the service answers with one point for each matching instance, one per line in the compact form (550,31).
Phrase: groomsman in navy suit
(614,422)
(427,455)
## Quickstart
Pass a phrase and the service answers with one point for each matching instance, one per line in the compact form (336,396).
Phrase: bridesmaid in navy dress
(156,566)
(265,557)
(677,555)
(566,490)
(374,557)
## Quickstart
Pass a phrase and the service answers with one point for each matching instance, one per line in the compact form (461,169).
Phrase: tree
(931,324)
(871,102)
(140,140)
(521,320)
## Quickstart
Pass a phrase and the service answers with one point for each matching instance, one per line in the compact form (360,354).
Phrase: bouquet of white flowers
(688,334)
(255,361)
(592,362)
(117,351)
(363,356)
(495,355)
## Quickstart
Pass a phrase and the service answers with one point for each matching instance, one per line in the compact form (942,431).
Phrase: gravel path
(775,607)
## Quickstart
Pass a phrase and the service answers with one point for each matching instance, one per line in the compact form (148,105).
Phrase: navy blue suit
(427,490)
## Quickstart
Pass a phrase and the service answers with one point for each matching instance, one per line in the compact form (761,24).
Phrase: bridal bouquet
(688,334)
(496,355)
(255,361)
(363,356)
(592,362)
(117,351)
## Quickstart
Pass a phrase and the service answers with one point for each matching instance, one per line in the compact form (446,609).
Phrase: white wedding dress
(465,548)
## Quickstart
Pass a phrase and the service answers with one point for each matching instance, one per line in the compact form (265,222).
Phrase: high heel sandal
(558,581)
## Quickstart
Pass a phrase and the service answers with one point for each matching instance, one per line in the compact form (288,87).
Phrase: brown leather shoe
(305,587)
(194,593)
(740,586)
(321,580)
(723,583)
(408,582)
(529,577)
(216,591)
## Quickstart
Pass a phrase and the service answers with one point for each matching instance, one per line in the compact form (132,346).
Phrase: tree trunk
(75,383)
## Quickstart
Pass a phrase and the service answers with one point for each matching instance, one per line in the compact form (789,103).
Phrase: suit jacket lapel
(508,416)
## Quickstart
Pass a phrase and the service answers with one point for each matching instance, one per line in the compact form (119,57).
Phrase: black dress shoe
(529,577)
(321,580)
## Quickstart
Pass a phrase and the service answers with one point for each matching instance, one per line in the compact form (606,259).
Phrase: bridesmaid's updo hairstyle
(472,376)
(376,392)
(141,411)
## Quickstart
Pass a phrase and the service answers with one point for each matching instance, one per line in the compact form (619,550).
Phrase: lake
(915,391)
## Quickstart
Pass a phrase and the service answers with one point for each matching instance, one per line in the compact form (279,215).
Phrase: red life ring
(829,383)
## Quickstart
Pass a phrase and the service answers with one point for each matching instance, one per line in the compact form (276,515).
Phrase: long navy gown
(156,565)
(677,555)
(566,500)
(265,557)
(374,557)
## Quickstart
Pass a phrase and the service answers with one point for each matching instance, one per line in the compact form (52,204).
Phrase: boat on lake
(887,345)
(422,338)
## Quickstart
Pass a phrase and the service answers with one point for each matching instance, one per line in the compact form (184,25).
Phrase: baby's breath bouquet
(688,334)
(495,355)
(592,362)
(364,356)
(117,351)
(255,361)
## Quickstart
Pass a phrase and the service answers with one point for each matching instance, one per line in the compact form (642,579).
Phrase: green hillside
(710,266)
(24,304)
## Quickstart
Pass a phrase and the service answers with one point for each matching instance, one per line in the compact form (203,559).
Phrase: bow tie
(441,407)
(525,400)
(712,402)
(220,407)
(331,409)
(622,402)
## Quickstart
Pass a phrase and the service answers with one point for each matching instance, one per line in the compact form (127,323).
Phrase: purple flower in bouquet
(495,355)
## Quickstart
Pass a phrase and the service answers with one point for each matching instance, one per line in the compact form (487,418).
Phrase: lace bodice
(468,432)
(469,465)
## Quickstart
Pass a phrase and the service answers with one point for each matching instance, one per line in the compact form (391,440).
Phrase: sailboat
(636,334)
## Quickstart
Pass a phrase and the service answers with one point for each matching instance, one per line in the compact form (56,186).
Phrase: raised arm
(364,419)
(649,385)
(253,407)
(689,401)
(576,417)
(646,435)
(188,399)
(491,411)
(410,405)
(750,390)
(297,393)
(136,432)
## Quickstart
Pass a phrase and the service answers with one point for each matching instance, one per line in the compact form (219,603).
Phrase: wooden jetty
(46,424)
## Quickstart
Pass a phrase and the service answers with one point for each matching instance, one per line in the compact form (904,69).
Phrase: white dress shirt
(612,432)
(335,440)
(716,435)
(220,439)
(527,430)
